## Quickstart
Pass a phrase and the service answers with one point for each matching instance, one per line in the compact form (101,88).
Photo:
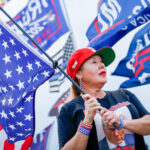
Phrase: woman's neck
(95,92)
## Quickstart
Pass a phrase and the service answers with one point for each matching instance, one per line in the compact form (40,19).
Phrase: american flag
(22,72)
(62,58)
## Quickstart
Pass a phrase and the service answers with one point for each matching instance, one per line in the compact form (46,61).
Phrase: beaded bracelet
(121,124)
(84,129)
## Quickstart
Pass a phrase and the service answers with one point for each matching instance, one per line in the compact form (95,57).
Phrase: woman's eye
(94,61)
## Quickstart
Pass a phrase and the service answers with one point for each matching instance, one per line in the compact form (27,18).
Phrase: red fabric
(8,146)
(27,143)
(77,59)
(96,26)
(1,127)
(106,31)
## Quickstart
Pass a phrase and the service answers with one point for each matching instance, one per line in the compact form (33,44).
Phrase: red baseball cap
(80,55)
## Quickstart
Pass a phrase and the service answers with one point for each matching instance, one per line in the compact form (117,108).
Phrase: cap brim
(107,53)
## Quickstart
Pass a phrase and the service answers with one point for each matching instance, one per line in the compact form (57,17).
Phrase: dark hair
(74,91)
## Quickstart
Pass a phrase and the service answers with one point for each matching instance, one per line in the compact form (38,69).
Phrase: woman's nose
(101,65)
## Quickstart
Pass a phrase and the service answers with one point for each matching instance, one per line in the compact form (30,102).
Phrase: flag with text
(136,65)
(43,20)
(116,18)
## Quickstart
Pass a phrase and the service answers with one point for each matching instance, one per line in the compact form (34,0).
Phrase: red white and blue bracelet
(84,129)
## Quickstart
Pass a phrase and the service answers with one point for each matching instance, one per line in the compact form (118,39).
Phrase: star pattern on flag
(8,74)
(1,32)
(5,44)
(6,59)
(22,72)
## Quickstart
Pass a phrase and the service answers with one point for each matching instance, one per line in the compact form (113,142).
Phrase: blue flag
(43,20)
(21,73)
(136,65)
(41,140)
(115,19)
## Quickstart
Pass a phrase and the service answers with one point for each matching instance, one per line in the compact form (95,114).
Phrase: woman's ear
(79,75)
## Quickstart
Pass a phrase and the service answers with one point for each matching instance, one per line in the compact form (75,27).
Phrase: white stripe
(3,137)
(18,145)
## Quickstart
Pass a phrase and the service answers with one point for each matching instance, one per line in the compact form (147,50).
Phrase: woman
(80,120)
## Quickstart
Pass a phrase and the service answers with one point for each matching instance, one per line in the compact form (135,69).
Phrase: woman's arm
(79,141)
(140,126)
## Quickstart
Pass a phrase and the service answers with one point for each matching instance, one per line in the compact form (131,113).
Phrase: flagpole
(55,63)
(66,14)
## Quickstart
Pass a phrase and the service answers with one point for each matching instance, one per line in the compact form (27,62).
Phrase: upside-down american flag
(22,71)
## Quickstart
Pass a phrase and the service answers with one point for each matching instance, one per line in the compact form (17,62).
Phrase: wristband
(121,124)
(84,129)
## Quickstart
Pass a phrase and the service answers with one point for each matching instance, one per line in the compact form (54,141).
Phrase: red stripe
(45,139)
(96,26)
(141,62)
(1,127)
(140,54)
(16,18)
(60,26)
(98,3)
(106,31)
(86,126)
(27,143)
(60,102)
(9,146)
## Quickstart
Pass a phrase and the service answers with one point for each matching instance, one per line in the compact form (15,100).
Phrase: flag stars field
(12,87)
(19,70)
(12,114)
(24,52)
(4,89)
(20,134)
(6,59)
(3,115)
(12,139)
(17,55)
(1,32)
(3,102)
(38,63)
(46,74)
(5,44)
(28,129)
(29,66)
(35,78)
(20,85)
(12,126)
(19,110)
(20,124)
(8,74)
(10,101)
(28,99)
(28,117)
(12,41)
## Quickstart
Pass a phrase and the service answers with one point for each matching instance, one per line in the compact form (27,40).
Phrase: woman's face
(93,71)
